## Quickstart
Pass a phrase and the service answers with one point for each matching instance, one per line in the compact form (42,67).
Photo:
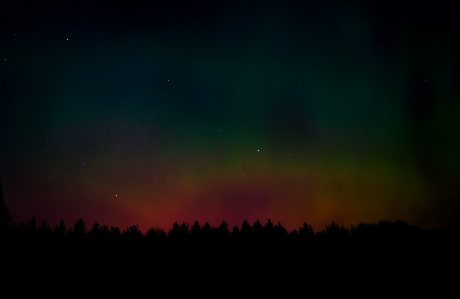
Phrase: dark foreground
(263,266)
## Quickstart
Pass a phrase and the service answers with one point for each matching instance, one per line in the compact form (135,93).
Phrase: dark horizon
(256,227)
(386,230)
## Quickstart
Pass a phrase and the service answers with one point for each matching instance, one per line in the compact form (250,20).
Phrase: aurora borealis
(154,112)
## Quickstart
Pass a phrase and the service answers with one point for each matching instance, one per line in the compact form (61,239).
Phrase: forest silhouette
(274,233)
(262,247)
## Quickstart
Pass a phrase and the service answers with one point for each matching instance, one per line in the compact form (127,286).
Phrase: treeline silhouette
(254,251)
(247,232)
(259,257)
(385,241)
(31,231)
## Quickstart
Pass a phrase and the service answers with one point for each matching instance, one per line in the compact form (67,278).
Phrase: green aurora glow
(152,113)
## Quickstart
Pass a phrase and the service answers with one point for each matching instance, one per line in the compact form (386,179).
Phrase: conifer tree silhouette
(223,229)
(294,234)
(246,230)
(6,217)
(195,231)
(79,230)
(174,232)
(269,229)
(306,232)
(235,231)
(133,233)
(95,233)
(59,231)
(44,231)
(207,231)
(31,229)
(269,225)
(279,231)
(183,230)
(335,230)
(115,233)
(155,234)
(258,229)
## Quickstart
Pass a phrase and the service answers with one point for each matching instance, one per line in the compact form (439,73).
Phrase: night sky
(154,112)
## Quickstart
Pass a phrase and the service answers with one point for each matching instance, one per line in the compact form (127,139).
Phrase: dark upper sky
(147,113)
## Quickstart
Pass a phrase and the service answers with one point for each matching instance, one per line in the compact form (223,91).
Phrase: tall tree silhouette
(79,230)
(115,233)
(279,231)
(31,230)
(306,232)
(364,230)
(179,232)
(294,235)
(133,233)
(155,234)
(335,230)
(223,229)
(44,231)
(95,233)
(6,217)
(174,232)
(235,232)
(269,225)
(59,231)
(105,233)
(258,229)
(246,229)
(269,231)
(183,230)
(195,231)
(207,230)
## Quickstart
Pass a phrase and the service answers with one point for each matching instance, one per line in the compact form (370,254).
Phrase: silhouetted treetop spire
(1,193)
(6,217)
